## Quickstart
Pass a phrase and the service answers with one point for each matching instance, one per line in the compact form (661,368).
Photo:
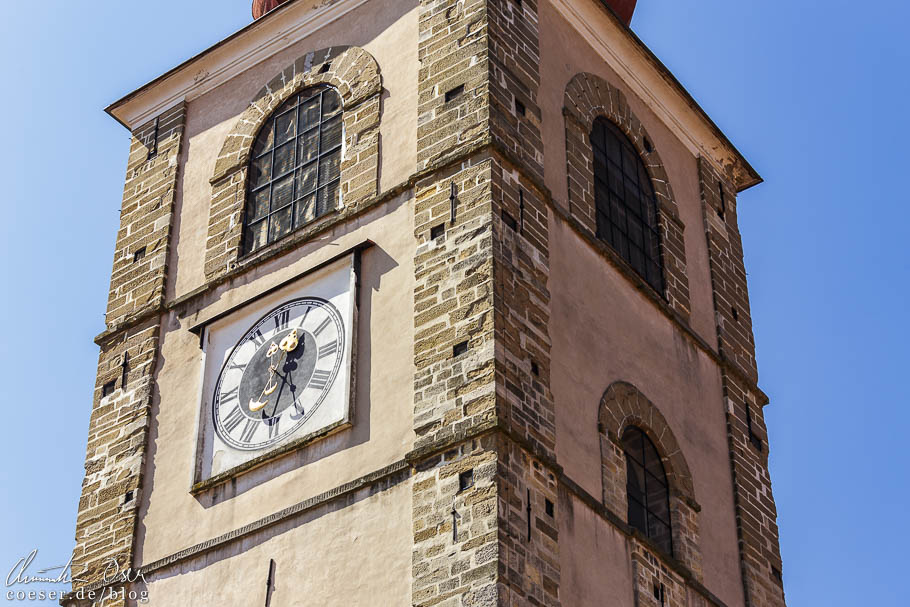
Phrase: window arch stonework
(588,97)
(621,407)
(354,74)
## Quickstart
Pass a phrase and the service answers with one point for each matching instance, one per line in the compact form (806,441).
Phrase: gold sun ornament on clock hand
(287,345)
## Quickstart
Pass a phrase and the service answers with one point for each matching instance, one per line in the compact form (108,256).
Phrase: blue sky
(814,93)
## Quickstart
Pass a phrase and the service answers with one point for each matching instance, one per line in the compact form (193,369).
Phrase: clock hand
(287,345)
(259,404)
(291,342)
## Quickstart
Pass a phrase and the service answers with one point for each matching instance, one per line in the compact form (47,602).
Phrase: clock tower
(427,302)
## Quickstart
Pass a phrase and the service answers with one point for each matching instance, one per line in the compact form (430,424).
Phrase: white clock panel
(278,370)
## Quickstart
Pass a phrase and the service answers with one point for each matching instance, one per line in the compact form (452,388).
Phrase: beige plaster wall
(597,570)
(332,557)
(387,30)
(172,519)
(565,53)
(634,342)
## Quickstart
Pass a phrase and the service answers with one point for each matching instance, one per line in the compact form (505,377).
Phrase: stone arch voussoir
(623,405)
(349,69)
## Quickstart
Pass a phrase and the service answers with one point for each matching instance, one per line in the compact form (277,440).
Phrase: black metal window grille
(295,168)
(647,489)
(625,201)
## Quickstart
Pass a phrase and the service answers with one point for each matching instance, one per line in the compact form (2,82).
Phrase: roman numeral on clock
(233,419)
(229,395)
(282,319)
(248,431)
(272,425)
(238,366)
(257,338)
(320,379)
(328,349)
(322,326)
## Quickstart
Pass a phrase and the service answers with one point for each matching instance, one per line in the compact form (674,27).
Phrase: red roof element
(261,7)
(623,9)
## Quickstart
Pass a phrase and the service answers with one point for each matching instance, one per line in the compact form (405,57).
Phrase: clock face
(278,374)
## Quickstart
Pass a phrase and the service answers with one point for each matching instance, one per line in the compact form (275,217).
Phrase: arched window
(295,167)
(647,489)
(625,201)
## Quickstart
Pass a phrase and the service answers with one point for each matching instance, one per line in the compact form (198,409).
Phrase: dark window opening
(295,169)
(778,576)
(626,207)
(325,68)
(460,348)
(509,220)
(647,489)
(139,255)
(535,369)
(455,92)
(466,480)
(108,389)
(723,200)
(735,313)
(647,143)
(519,108)
(128,497)
(437,231)
(549,508)
(753,437)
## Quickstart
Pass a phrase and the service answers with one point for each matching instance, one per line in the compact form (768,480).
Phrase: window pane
(307,146)
(635,480)
(256,235)
(280,224)
(259,205)
(265,140)
(329,168)
(306,179)
(660,534)
(286,127)
(331,103)
(284,159)
(261,171)
(638,517)
(282,192)
(331,134)
(306,210)
(309,113)
(328,199)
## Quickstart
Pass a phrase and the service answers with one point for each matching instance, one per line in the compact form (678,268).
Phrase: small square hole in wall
(535,369)
(460,348)
(325,67)
(519,108)
(139,255)
(775,572)
(647,144)
(128,497)
(466,480)
(548,505)
(734,312)
(437,231)
(455,92)
(108,389)
(509,220)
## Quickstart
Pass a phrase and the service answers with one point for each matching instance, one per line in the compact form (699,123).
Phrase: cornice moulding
(651,81)
(227,59)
